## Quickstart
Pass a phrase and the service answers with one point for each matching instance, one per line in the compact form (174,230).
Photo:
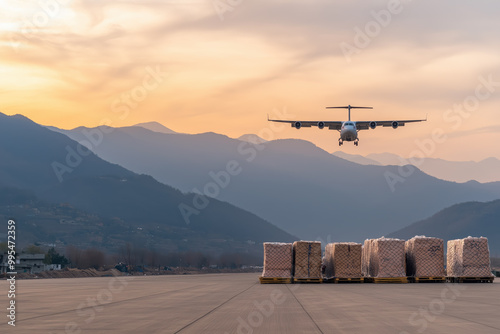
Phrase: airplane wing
(365,125)
(332,125)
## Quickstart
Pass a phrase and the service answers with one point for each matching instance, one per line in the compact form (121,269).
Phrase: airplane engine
(373,125)
(297,125)
(321,125)
(395,125)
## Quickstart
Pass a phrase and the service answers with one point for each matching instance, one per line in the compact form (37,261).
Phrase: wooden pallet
(275,280)
(339,280)
(428,279)
(344,280)
(390,280)
(469,279)
(307,280)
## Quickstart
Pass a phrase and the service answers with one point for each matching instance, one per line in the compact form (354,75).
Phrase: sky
(224,65)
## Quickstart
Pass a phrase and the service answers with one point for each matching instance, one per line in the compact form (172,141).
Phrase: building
(27,263)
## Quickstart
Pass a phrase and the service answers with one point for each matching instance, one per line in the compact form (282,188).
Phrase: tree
(3,247)
(75,256)
(152,257)
(52,257)
(126,253)
(94,258)
(83,259)
(172,259)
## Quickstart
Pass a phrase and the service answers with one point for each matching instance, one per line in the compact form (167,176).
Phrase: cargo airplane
(348,129)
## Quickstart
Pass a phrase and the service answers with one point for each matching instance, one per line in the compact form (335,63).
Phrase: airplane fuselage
(348,132)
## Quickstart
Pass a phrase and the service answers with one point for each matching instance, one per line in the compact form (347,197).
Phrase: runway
(237,303)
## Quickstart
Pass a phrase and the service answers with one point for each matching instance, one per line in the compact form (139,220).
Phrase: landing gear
(356,142)
(340,141)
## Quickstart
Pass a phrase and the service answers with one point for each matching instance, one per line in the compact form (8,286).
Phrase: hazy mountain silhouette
(486,170)
(156,127)
(291,183)
(459,221)
(29,153)
(385,158)
(356,158)
(251,138)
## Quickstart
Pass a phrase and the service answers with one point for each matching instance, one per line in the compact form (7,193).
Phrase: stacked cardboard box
(384,257)
(469,257)
(277,260)
(425,257)
(343,260)
(307,259)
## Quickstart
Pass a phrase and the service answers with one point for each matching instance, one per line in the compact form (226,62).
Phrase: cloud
(263,54)
(477,131)
(118,37)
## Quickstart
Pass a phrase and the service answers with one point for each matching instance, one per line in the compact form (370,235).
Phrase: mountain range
(458,221)
(486,170)
(50,170)
(294,184)
(155,126)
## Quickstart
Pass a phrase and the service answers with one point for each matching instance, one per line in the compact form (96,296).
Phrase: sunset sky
(223,65)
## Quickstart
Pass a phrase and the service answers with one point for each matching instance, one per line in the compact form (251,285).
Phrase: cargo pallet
(338,280)
(428,279)
(307,280)
(469,279)
(390,280)
(275,280)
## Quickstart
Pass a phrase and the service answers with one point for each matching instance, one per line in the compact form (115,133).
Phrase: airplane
(348,129)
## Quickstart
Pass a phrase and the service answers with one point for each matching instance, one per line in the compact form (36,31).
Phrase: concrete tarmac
(237,303)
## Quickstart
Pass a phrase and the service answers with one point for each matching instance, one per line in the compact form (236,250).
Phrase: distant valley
(301,188)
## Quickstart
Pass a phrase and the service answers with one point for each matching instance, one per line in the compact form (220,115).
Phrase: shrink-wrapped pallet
(278,260)
(307,259)
(343,260)
(469,257)
(425,257)
(384,257)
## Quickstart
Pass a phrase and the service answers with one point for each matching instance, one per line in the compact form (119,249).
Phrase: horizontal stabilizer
(347,107)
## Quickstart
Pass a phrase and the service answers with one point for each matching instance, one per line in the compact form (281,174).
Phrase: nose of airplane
(352,133)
